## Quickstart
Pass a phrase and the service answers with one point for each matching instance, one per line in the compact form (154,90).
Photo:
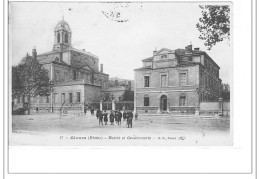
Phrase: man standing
(129,119)
(119,117)
(105,118)
(97,113)
(111,117)
(101,118)
(124,115)
(92,111)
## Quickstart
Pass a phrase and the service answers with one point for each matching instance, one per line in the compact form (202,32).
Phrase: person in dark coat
(92,111)
(111,117)
(85,110)
(119,117)
(97,113)
(124,115)
(129,119)
(116,116)
(105,118)
(101,118)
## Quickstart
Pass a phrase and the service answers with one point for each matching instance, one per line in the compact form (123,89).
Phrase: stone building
(117,88)
(76,77)
(176,81)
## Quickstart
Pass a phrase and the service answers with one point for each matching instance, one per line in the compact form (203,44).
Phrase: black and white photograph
(129,87)
(120,73)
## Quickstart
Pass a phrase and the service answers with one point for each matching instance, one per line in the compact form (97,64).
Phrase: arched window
(146,100)
(182,100)
(58,37)
(66,38)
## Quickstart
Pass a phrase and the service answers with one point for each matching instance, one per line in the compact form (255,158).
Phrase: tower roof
(62,25)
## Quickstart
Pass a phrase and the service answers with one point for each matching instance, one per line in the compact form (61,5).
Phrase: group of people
(115,116)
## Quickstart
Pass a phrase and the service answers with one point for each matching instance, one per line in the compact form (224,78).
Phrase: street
(53,129)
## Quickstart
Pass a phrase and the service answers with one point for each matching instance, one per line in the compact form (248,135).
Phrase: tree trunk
(29,104)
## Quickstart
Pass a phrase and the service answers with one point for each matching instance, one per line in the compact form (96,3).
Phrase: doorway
(163,103)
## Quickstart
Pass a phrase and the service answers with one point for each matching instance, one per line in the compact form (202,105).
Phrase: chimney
(116,82)
(34,53)
(197,49)
(101,68)
(129,85)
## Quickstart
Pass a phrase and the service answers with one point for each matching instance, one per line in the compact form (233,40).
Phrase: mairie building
(176,81)
(76,77)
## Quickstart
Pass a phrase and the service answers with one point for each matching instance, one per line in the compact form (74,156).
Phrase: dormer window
(163,56)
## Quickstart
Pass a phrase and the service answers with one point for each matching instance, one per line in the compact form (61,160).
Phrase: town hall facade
(176,81)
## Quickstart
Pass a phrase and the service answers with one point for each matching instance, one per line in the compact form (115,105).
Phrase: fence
(124,105)
(220,107)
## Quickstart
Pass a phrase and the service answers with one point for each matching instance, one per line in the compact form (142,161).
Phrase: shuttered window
(183,78)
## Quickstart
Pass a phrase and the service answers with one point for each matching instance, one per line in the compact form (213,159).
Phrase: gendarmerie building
(76,77)
(176,81)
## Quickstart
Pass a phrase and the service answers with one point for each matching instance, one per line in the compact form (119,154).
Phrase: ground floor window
(182,100)
(62,98)
(70,97)
(146,100)
(78,97)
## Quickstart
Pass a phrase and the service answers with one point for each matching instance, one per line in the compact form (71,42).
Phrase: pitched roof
(148,59)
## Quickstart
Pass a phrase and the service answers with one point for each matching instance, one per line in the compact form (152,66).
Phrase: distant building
(117,88)
(121,82)
(75,73)
(176,81)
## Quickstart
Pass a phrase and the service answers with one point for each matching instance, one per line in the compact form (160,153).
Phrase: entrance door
(163,103)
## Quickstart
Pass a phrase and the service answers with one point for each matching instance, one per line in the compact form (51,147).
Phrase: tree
(16,82)
(30,79)
(214,25)
(225,91)
(128,95)
(106,97)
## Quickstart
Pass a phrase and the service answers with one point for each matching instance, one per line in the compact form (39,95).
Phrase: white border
(150,159)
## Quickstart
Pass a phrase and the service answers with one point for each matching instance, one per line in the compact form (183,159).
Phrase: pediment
(164,51)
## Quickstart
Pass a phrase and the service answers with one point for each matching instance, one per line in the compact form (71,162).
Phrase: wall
(214,107)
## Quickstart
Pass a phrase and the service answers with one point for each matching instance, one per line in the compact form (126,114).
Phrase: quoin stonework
(176,81)
(75,74)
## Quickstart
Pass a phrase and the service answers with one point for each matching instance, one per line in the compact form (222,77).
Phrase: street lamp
(198,92)
(52,84)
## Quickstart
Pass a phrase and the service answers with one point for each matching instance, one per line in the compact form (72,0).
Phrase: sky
(120,34)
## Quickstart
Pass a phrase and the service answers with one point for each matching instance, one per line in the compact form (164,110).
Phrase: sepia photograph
(120,74)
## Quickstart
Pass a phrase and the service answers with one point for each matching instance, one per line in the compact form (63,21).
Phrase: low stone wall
(183,109)
(172,109)
(215,108)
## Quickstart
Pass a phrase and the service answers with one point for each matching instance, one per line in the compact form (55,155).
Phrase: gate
(124,105)
(106,105)
(95,105)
